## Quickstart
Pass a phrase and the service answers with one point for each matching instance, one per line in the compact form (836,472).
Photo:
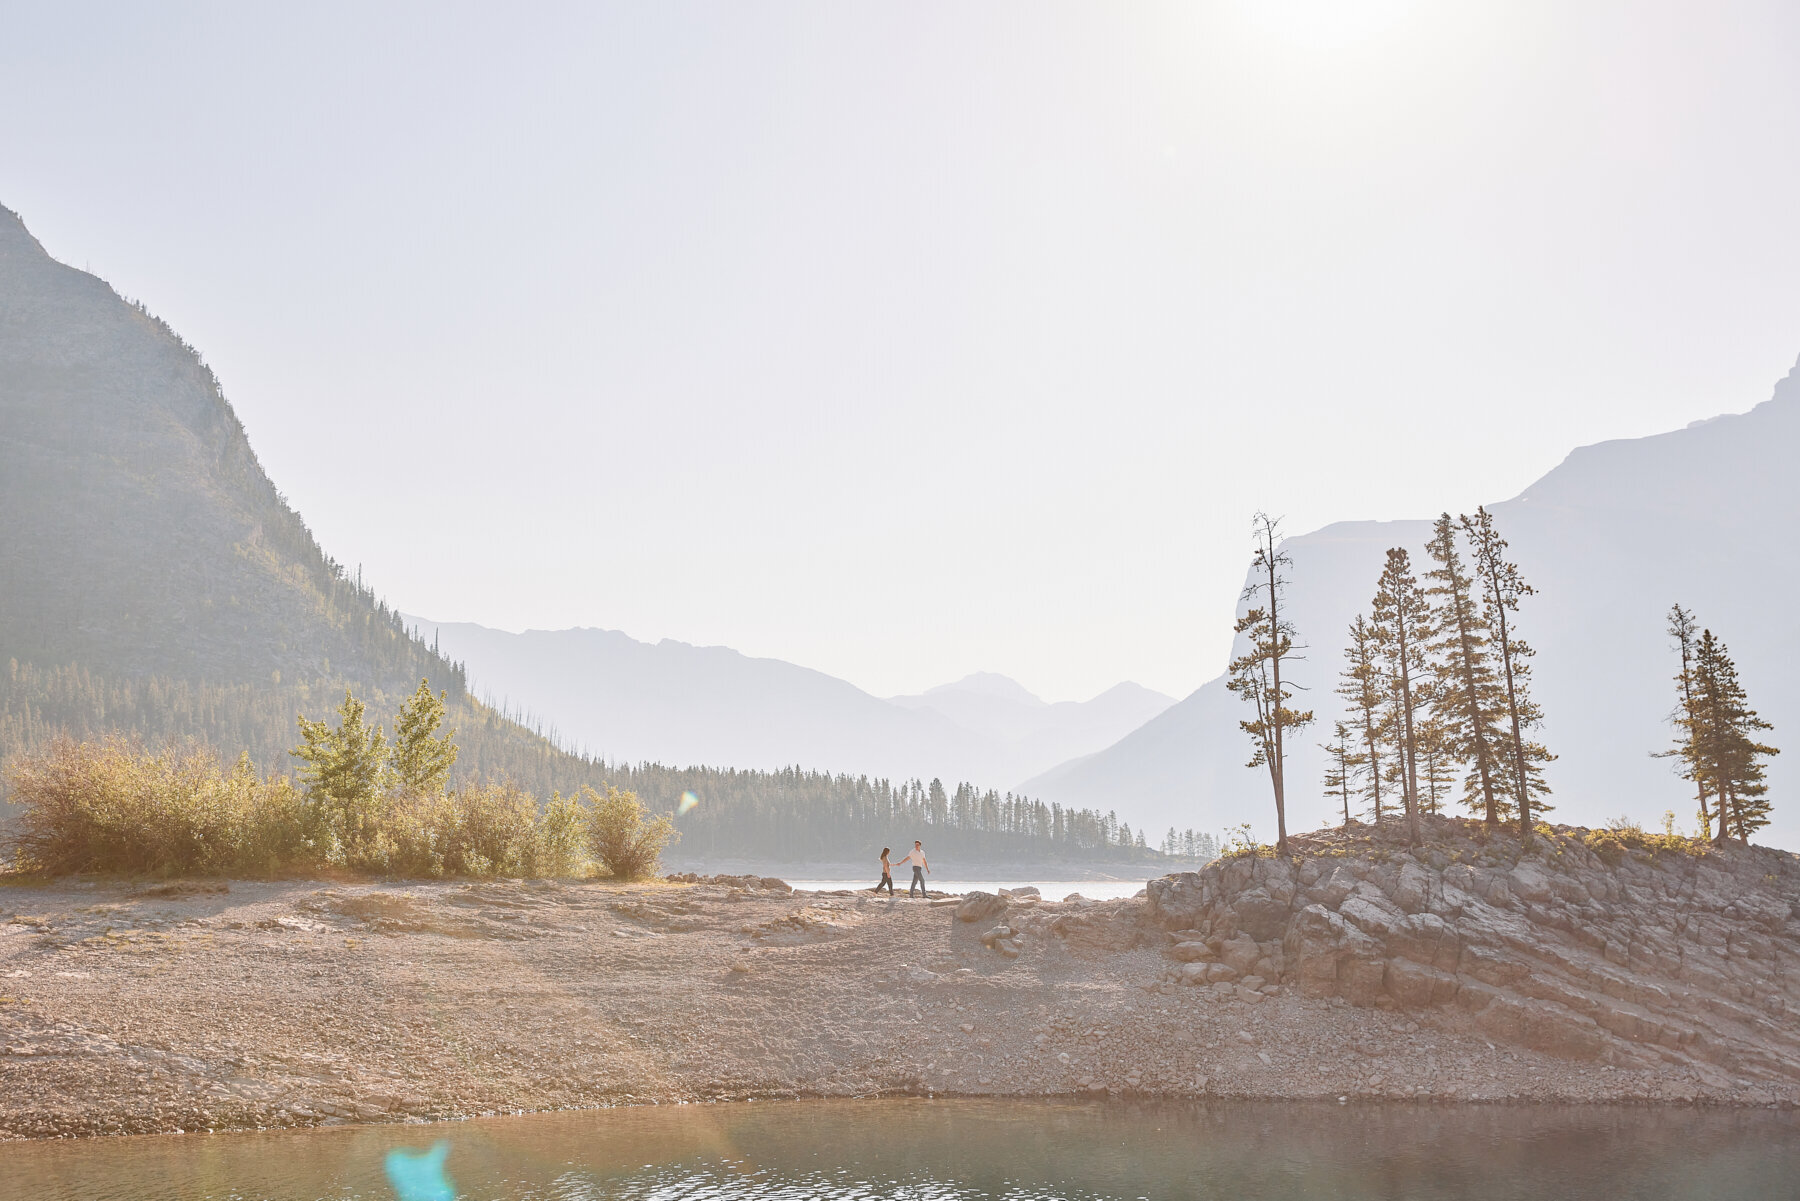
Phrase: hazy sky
(908,340)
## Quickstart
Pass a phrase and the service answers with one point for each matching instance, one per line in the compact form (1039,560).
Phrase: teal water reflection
(918,1150)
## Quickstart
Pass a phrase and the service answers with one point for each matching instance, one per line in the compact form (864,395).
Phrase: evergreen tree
(1401,629)
(1502,587)
(1361,684)
(1727,750)
(1683,628)
(1256,675)
(344,771)
(1464,693)
(1435,765)
(1340,768)
(422,758)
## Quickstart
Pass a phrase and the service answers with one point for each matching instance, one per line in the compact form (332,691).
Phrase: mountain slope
(138,533)
(1610,538)
(670,702)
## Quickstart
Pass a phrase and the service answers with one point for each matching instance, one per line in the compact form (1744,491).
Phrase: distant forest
(788,815)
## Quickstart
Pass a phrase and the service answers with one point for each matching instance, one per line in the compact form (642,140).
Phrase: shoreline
(130,1009)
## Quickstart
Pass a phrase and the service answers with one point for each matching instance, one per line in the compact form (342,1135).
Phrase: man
(920,867)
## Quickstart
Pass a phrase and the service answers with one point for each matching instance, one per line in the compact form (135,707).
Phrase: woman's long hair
(884,852)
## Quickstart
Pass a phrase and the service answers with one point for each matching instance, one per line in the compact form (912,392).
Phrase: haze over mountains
(673,703)
(1613,536)
(153,580)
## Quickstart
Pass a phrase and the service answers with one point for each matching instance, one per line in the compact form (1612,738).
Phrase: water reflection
(914,1150)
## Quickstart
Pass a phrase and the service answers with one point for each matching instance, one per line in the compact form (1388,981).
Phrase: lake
(1052,890)
(920,1150)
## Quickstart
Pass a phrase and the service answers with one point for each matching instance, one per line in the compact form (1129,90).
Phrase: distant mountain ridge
(673,703)
(1610,538)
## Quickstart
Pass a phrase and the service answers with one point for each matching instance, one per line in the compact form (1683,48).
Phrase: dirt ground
(192,1006)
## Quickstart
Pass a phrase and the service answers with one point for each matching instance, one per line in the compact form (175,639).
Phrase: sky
(909,340)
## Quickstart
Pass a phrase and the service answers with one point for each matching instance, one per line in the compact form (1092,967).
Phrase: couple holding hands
(919,866)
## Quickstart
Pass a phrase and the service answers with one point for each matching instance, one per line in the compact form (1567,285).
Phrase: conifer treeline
(791,814)
(1437,684)
(1437,681)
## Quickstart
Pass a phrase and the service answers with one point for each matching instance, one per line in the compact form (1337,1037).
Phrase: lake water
(919,1150)
(1053,890)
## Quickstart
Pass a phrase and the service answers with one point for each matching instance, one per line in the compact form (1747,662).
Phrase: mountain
(140,533)
(153,581)
(669,702)
(1025,733)
(1610,538)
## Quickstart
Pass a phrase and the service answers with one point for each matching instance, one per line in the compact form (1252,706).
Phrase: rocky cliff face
(1627,950)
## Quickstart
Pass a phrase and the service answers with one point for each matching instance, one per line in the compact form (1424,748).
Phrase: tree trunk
(1276,764)
(1477,727)
(1409,760)
(1518,739)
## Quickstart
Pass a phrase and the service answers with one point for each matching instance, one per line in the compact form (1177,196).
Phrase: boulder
(1191,952)
(980,906)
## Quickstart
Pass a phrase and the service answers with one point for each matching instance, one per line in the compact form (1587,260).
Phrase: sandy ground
(126,1009)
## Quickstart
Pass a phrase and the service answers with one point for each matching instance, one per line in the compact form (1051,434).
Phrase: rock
(995,935)
(1191,952)
(1009,948)
(1023,890)
(1240,953)
(1260,915)
(980,906)
(774,885)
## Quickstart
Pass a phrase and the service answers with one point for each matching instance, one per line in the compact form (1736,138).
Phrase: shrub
(620,838)
(1623,836)
(112,807)
(558,849)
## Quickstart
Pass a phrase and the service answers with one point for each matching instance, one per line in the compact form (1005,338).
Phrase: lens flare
(688,801)
(420,1177)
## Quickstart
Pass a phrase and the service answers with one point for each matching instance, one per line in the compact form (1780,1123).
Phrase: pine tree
(421,757)
(1256,675)
(1402,627)
(1360,683)
(1683,628)
(1435,765)
(1727,750)
(1502,587)
(1464,691)
(344,772)
(1340,767)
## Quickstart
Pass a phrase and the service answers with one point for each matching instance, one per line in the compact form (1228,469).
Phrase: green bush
(114,807)
(621,839)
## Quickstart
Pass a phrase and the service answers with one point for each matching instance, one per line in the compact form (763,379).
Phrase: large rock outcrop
(1593,945)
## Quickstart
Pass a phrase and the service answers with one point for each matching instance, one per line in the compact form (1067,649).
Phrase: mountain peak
(988,683)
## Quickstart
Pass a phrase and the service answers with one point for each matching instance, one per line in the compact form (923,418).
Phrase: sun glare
(1325,24)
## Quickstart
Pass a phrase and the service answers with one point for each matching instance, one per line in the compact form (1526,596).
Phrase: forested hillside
(154,583)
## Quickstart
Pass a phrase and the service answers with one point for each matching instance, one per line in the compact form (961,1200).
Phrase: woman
(887,875)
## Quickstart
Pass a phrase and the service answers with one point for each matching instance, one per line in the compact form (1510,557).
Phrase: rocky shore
(1469,970)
